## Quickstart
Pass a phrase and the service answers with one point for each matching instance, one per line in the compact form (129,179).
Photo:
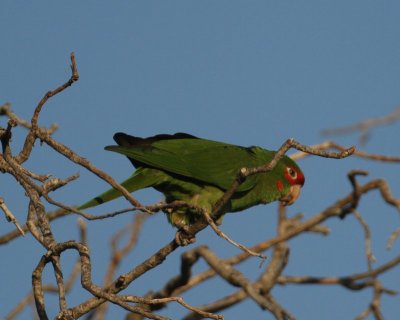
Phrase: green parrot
(199,171)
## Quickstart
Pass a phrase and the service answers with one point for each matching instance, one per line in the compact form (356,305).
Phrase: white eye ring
(292,173)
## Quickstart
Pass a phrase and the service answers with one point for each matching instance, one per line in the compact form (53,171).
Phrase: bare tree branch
(38,187)
(365,124)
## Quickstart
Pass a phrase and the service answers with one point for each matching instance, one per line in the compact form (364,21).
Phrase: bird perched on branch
(199,171)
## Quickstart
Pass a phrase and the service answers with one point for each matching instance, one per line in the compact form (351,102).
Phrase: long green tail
(140,179)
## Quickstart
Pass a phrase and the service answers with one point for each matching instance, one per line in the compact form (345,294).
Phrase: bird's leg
(183,237)
(179,220)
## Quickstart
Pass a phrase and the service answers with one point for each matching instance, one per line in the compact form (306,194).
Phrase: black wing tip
(99,200)
(125,140)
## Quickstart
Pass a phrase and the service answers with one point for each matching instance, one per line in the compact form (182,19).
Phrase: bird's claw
(183,237)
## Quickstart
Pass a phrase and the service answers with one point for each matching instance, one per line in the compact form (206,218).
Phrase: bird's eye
(292,173)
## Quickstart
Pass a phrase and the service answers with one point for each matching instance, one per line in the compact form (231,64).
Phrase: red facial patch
(279,185)
(294,176)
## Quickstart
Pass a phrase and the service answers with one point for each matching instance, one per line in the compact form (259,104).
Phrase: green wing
(200,160)
(207,161)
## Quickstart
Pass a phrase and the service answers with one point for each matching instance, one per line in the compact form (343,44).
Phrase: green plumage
(197,171)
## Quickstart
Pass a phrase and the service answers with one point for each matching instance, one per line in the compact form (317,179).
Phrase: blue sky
(244,72)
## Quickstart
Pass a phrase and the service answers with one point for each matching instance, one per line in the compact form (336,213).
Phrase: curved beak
(292,195)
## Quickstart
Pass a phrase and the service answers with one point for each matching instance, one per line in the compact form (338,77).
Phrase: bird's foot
(183,237)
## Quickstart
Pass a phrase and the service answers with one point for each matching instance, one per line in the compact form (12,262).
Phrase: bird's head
(290,182)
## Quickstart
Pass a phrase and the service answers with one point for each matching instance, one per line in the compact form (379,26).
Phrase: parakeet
(199,171)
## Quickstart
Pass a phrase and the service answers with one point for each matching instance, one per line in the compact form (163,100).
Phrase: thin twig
(10,217)
(220,233)
(49,94)
(365,125)
(179,300)
(326,145)
(350,282)
(395,234)
(368,243)
(6,238)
